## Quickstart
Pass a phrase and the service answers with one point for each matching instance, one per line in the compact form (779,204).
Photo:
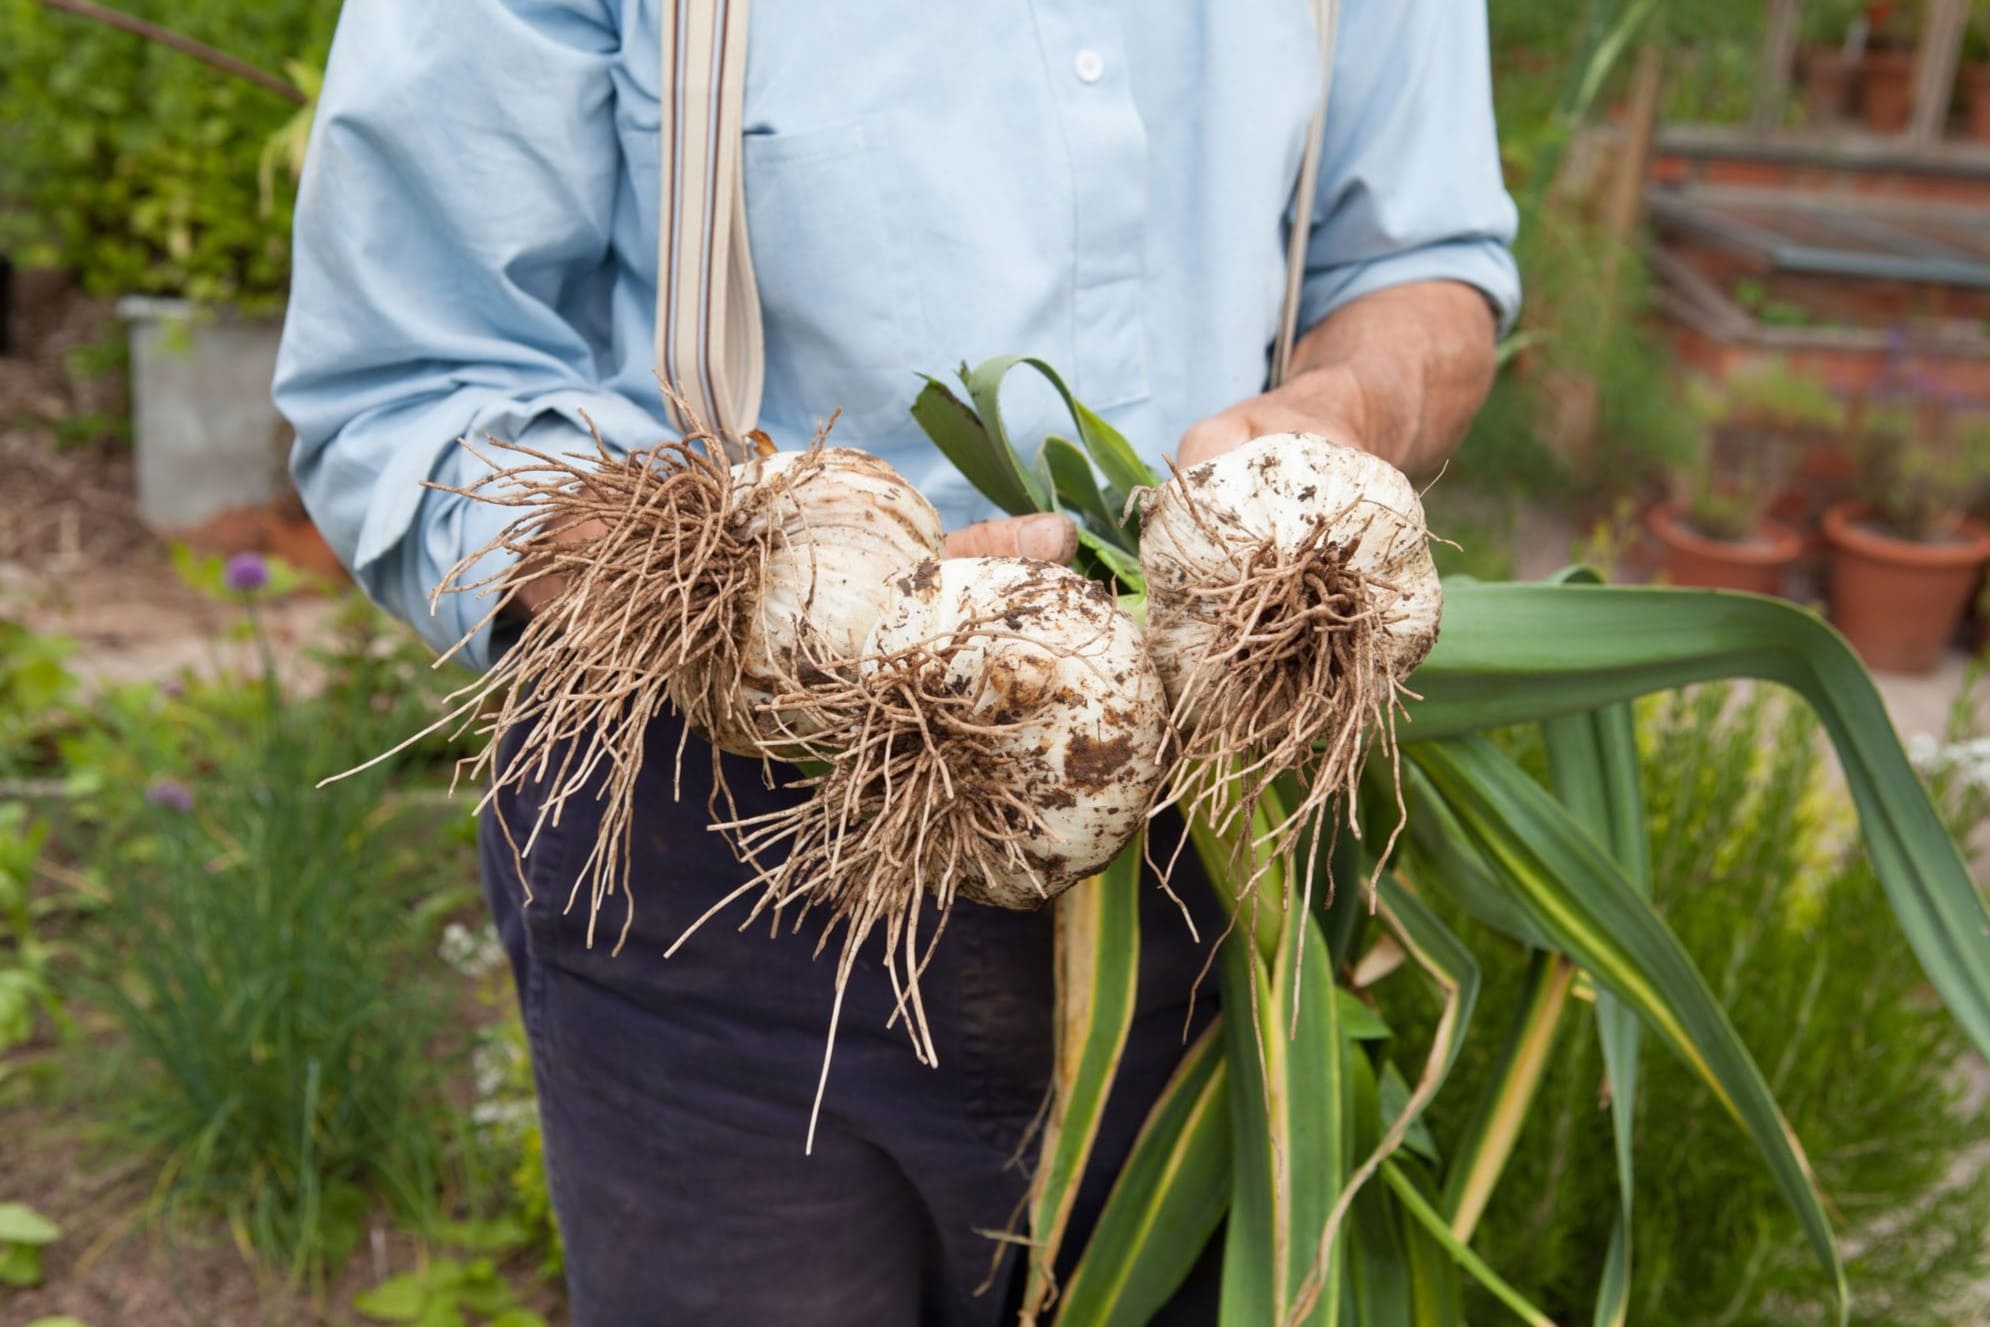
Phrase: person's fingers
(1045,536)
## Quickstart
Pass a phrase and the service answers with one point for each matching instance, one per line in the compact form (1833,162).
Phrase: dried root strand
(656,580)
(1300,677)
(916,803)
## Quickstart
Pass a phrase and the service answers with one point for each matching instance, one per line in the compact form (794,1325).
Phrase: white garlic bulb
(1264,504)
(834,526)
(1050,657)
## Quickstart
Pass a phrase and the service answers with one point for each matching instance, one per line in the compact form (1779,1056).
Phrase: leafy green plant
(448,1292)
(1829,21)
(26,958)
(24,1233)
(1921,479)
(285,1049)
(505,1110)
(1776,400)
(1752,868)
(1753,424)
(138,167)
(1301,1079)
(1591,336)
(1723,512)
(1769,310)
(36,688)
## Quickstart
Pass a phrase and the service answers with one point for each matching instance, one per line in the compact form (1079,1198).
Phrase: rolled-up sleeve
(1410,184)
(451,279)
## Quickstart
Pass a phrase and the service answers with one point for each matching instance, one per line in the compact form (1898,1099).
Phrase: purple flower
(170,794)
(246,573)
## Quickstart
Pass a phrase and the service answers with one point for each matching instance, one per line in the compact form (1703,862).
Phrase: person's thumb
(1045,536)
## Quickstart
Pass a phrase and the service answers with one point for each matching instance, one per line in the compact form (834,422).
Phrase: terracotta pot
(1827,84)
(1886,90)
(1690,558)
(1896,600)
(1976,100)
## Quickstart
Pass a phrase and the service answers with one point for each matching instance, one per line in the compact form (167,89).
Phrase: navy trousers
(675,1094)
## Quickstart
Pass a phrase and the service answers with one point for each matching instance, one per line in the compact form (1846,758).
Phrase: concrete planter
(205,436)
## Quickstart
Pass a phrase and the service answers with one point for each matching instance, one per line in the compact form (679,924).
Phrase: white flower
(471,953)
(1969,759)
(516,1113)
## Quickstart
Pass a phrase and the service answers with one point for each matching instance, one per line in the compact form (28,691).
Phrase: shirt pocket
(839,300)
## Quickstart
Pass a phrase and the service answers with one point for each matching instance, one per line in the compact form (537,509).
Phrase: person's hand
(1045,536)
(1328,400)
(1398,372)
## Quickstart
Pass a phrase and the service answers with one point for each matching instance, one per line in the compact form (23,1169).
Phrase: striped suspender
(708,337)
(1326,18)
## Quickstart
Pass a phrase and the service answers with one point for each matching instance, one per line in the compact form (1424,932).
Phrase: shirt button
(1090,66)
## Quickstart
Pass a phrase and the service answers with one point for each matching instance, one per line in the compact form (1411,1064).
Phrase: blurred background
(258,1056)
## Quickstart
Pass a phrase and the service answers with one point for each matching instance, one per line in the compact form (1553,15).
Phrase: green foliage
(1752,871)
(1779,399)
(24,1232)
(1921,479)
(137,166)
(504,1109)
(1590,333)
(1723,514)
(448,1293)
(287,1047)
(26,956)
(36,688)
(1827,21)
(1769,310)
(1711,83)
(1754,423)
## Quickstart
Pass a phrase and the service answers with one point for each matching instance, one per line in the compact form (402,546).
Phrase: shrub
(1750,869)
(136,166)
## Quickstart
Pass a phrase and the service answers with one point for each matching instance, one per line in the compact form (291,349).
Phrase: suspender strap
(708,336)
(1326,18)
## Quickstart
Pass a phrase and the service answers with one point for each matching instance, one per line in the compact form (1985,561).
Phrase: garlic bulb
(1052,663)
(1275,499)
(1290,592)
(831,527)
(675,581)
(1000,740)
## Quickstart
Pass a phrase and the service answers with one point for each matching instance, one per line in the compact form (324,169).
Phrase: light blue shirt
(1105,183)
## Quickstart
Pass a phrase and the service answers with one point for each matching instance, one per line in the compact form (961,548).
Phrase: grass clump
(286,1042)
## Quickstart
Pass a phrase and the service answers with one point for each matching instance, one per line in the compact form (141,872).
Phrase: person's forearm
(1420,360)
(1398,373)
